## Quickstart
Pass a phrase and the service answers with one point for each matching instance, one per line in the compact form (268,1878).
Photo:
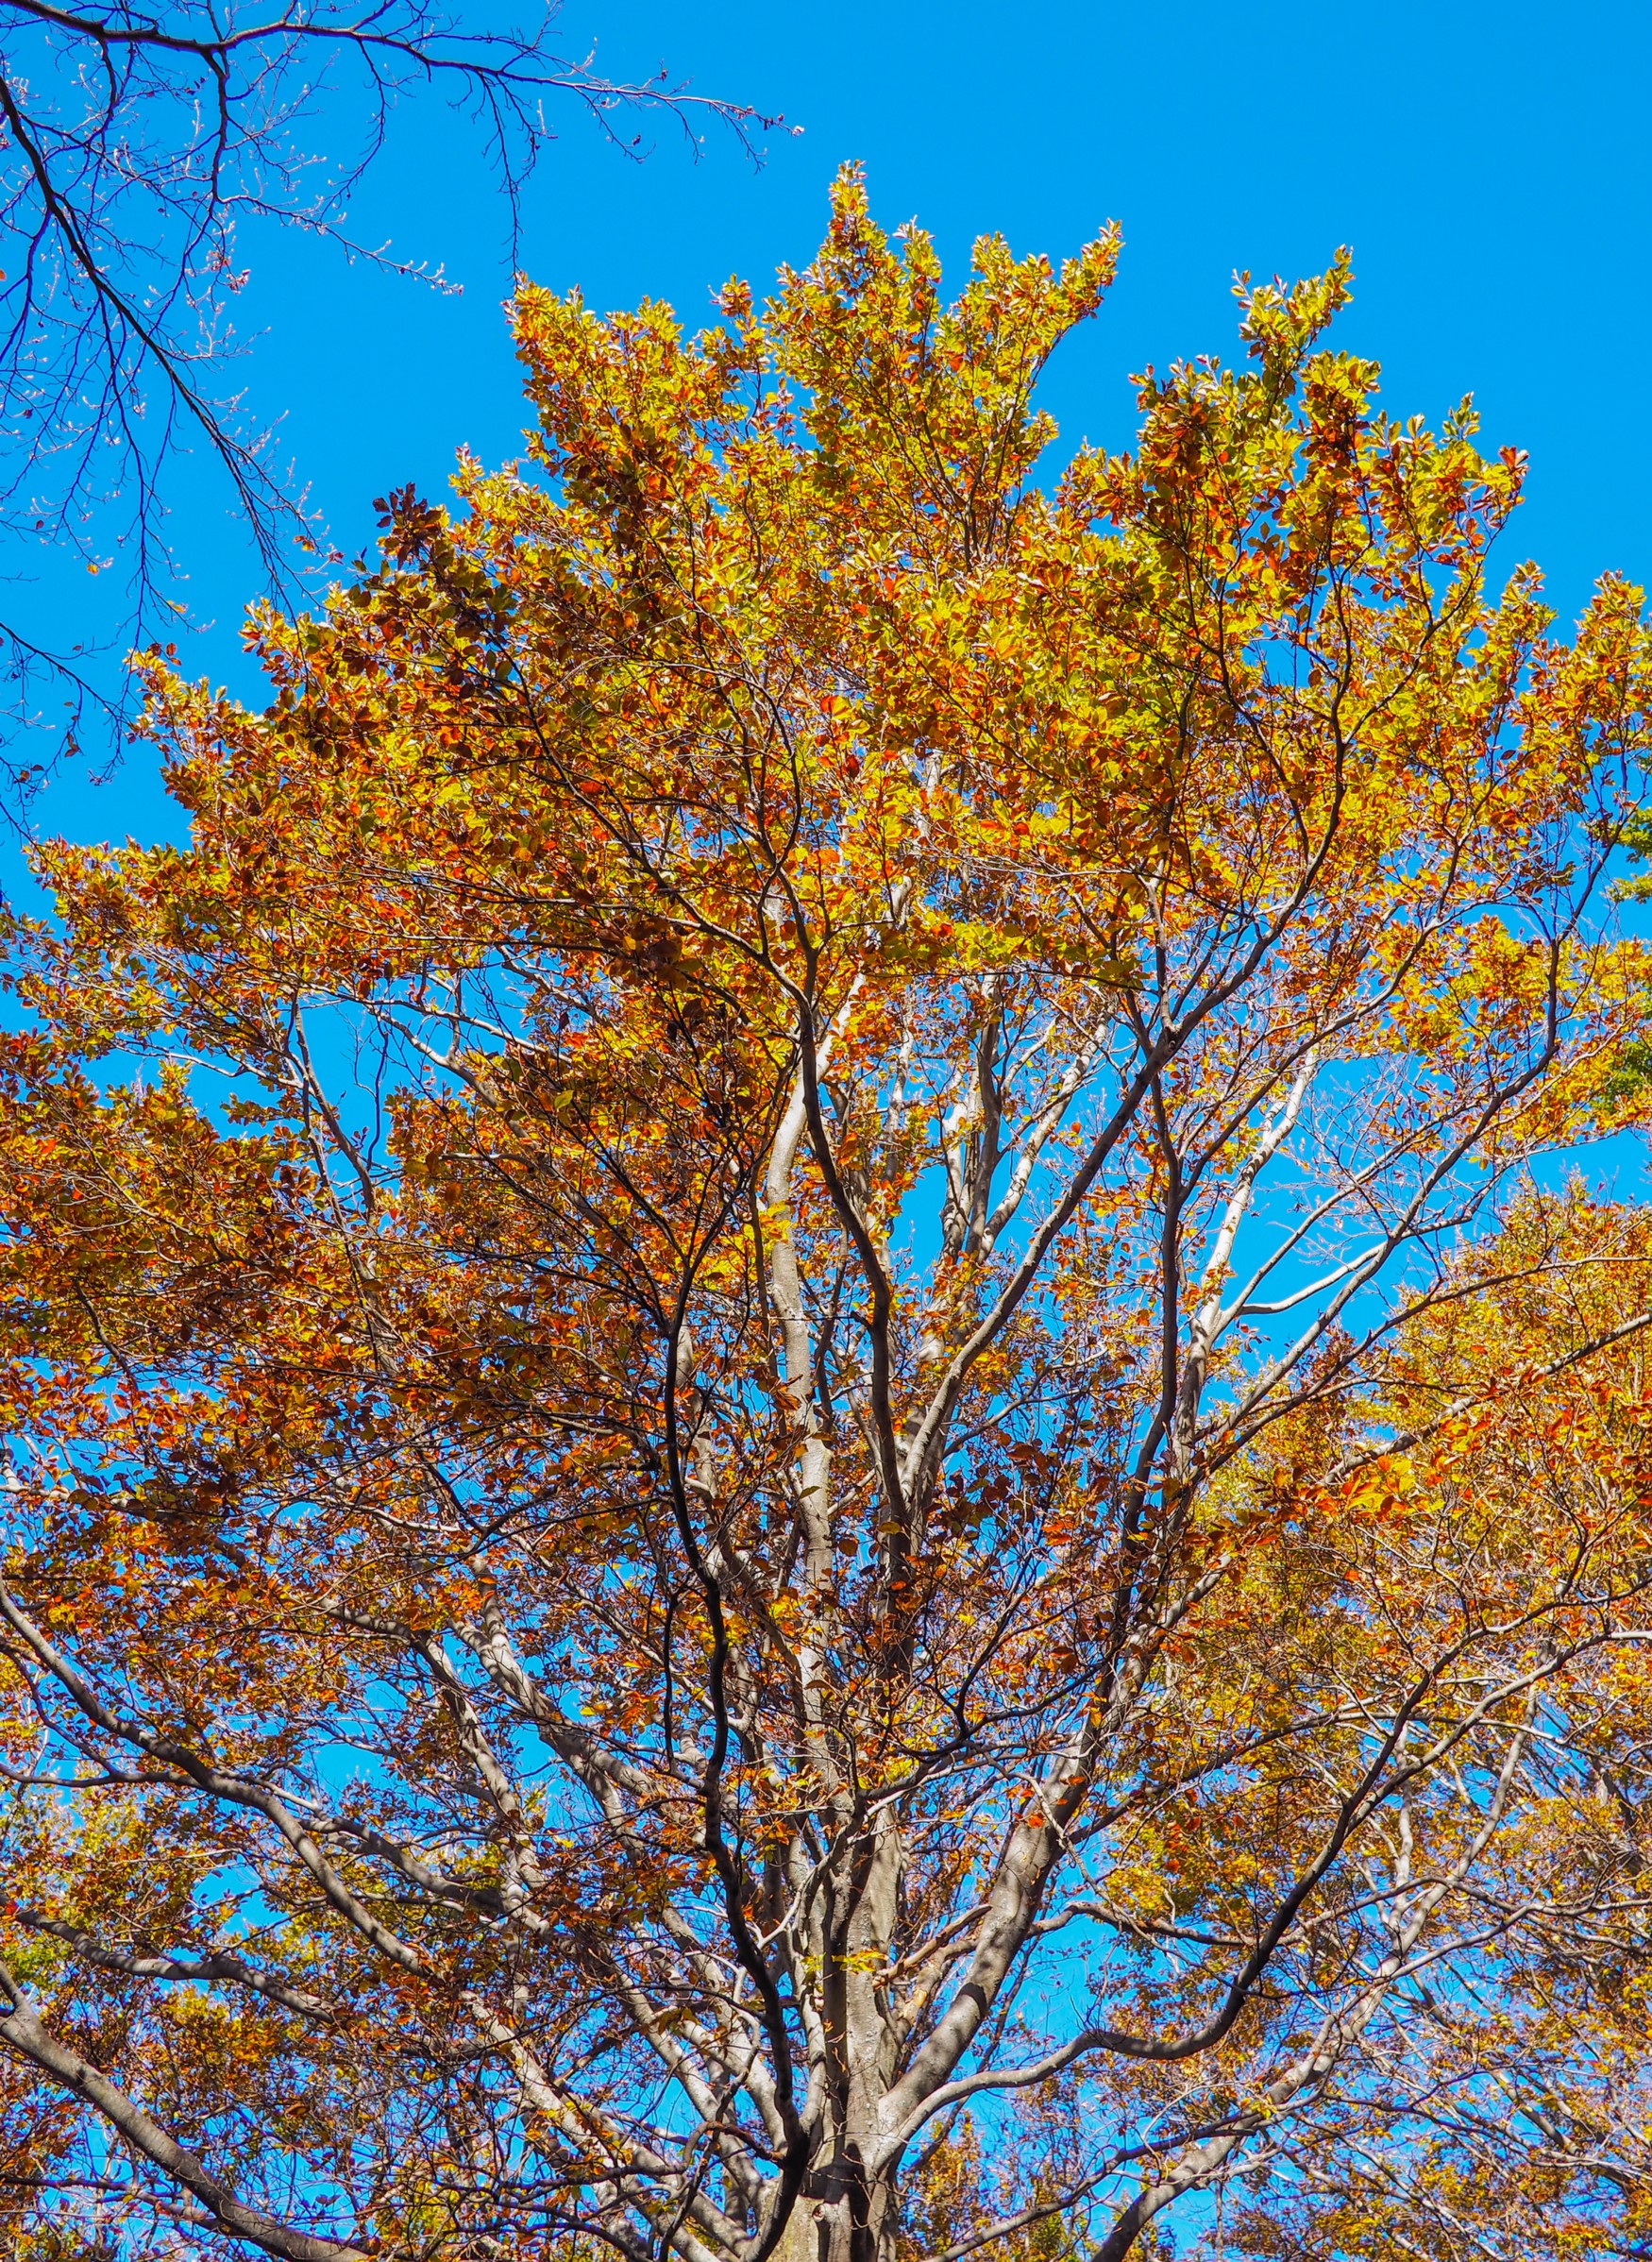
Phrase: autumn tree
(812,1449)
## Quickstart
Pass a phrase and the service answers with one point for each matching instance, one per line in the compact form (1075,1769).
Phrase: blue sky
(1488,165)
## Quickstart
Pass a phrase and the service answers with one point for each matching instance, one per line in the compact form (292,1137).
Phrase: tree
(766,1497)
(133,147)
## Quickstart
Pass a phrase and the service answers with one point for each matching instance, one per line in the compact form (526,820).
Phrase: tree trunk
(823,2225)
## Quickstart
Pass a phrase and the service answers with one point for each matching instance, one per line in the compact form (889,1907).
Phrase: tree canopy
(813,1447)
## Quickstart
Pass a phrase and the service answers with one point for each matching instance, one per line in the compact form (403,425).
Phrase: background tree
(134,143)
(765,1495)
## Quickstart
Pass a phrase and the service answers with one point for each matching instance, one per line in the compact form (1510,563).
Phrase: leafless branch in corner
(134,144)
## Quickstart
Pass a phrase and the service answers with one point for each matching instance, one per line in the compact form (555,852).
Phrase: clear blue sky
(1491,167)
